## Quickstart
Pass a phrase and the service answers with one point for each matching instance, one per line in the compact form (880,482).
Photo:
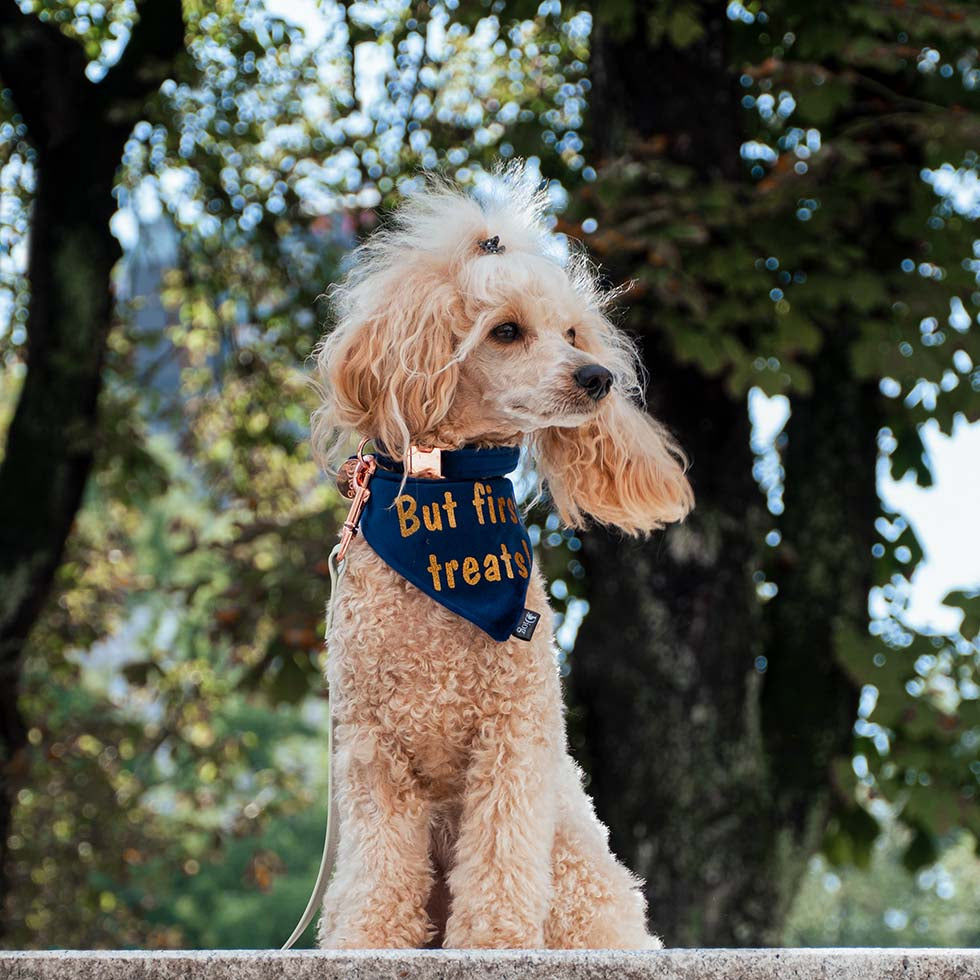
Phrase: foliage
(172,688)
(887,905)
(853,222)
(149,759)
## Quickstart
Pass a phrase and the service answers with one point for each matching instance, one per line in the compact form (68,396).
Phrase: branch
(156,40)
(43,69)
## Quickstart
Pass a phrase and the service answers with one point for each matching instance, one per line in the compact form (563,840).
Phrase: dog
(465,327)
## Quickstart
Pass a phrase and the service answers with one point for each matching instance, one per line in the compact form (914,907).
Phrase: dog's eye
(506,333)
(570,334)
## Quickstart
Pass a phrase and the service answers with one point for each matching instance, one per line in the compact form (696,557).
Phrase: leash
(353,483)
(329,857)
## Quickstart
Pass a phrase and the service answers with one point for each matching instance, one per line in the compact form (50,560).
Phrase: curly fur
(463,819)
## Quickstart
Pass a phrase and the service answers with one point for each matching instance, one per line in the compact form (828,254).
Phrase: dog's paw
(486,930)
(370,932)
(380,938)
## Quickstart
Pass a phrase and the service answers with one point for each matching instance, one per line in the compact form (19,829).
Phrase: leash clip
(353,481)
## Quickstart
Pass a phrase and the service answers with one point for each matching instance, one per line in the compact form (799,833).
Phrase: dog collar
(460,539)
(468,463)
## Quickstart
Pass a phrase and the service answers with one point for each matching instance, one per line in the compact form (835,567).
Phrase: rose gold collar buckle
(424,462)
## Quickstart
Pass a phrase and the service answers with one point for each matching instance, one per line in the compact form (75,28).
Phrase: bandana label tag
(524,630)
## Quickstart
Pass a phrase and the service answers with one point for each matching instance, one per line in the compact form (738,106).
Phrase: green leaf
(866,290)
(922,850)
(969,602)
(819,103)
(910,456)
(684,28)
(850,836)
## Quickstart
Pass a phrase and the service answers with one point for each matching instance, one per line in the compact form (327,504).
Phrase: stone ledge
(676,964)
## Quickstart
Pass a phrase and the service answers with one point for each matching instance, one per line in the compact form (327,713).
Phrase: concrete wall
(711,964)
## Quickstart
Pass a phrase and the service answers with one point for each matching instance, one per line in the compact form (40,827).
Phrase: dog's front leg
(501,880)
(378,894)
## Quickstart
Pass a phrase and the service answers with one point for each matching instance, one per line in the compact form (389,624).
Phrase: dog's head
(460,324)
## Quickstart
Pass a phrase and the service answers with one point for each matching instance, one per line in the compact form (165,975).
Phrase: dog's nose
(595,379)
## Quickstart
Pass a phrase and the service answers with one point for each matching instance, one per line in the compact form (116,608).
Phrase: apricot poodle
(468,328)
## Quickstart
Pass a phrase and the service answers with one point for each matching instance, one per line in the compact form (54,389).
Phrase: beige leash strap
(329,858)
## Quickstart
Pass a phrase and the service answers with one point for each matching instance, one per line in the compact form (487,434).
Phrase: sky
(946,519)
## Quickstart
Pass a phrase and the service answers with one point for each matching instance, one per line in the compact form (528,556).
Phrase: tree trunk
(663,673)
(714,790)
(823,572)
(53,433)
(78,130)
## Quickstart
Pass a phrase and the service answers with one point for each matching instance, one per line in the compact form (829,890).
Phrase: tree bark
(823,571)
(707,727)
(689,95)
(78,130)
(663,673)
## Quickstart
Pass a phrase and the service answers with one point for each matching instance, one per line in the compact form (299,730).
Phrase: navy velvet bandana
(460,539)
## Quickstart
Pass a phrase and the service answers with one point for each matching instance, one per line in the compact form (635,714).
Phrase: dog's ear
(389,371)
(621,468)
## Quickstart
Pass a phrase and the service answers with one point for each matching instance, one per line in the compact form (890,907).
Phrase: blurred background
(776,703)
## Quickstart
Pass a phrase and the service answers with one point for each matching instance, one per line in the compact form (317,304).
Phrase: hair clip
(492,246)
